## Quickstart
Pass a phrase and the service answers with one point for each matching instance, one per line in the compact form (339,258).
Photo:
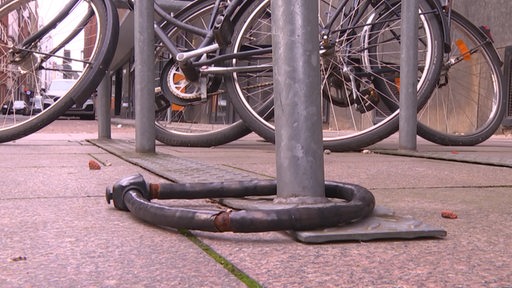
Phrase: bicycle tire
(34,68)
(468,105)
(191,128)
(361,127)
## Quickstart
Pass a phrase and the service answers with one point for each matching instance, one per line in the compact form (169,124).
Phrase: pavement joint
(455,156)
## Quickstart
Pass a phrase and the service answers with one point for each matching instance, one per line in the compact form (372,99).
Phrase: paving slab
(475,253)
(56,229)
(79,242)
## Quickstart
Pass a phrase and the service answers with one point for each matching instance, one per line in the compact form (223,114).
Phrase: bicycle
(30,62)
(360,60)
(354,89)
(468,104)
(192,74)
(43,40)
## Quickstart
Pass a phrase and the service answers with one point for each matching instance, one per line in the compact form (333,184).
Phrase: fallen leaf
(448,214)
(93,165)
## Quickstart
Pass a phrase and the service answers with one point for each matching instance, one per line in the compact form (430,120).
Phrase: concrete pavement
(57,230)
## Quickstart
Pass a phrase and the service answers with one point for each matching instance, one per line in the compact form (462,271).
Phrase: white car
(58,88)
(20,107)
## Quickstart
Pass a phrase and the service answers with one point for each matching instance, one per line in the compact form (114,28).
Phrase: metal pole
(408,76)
(144,82)
(299,151)
(103,99)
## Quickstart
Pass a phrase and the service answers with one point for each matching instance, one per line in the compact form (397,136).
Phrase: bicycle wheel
(468,105)
(79,43)
(360,60)
(185,118)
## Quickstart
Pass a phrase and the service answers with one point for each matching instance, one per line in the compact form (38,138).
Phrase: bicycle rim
(468,104)
(77,49)
(188,119)
(359,67)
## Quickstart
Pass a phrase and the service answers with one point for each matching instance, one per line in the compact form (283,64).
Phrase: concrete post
(299,147)
(408,76)
(144,82)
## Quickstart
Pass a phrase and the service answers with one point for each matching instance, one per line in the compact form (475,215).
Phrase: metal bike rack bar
(103,108)
(299,152)
(408,120)
(144,80)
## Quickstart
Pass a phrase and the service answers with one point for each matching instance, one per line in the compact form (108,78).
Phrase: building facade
(14,28)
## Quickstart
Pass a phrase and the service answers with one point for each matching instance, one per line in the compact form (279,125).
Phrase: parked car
(58,88)
(20,107)
(86,111)
(7,107)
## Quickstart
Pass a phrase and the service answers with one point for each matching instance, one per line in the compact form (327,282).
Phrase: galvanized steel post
(408,76)
(103,108)
(144,80)
(299,147)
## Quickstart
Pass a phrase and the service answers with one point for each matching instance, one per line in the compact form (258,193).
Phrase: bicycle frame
(217,35)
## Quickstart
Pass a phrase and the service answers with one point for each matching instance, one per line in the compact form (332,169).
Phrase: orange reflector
(177,78)
(397,83)
(176,107)
(463,48)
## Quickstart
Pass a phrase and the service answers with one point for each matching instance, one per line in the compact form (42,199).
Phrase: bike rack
(408,119)
(303,199)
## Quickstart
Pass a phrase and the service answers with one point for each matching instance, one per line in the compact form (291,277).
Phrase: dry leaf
(448,214)
(93,165)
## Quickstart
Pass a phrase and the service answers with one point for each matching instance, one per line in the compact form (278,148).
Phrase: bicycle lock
(304,200)
(134,194)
